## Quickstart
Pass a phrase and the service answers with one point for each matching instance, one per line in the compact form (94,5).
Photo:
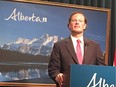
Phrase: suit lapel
(86,44)
(70,48)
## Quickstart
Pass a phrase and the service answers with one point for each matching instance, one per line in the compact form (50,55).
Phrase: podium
(92,76)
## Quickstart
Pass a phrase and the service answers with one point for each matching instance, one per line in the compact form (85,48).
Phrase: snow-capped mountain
(36,46)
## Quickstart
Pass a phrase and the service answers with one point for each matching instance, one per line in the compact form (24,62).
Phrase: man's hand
(60,78)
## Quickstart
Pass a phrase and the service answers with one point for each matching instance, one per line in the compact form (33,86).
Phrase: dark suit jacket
(63,55)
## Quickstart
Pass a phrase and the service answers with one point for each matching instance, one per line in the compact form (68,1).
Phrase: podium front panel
(92,76)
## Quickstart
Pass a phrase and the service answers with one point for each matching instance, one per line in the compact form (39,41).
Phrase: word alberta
(100,83)
(18,16)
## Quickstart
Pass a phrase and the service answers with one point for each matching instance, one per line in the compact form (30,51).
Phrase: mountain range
(36,46)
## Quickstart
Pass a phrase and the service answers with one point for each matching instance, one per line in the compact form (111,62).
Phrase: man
(64,51)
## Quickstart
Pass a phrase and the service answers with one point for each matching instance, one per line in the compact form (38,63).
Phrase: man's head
(77,22)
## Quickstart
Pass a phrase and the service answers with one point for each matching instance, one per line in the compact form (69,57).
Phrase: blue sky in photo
(57,19)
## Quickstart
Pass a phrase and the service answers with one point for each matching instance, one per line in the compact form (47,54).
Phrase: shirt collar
(75,39)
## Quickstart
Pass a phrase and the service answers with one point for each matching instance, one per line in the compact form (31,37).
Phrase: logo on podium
(92,76)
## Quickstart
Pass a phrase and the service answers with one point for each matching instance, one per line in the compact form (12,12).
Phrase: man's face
(77,23)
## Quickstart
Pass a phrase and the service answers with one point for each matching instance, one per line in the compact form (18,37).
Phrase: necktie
(79,52)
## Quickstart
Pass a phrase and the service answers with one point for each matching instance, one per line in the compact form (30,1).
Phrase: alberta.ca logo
(101,82)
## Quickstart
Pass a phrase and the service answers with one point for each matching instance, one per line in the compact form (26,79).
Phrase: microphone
(86,43)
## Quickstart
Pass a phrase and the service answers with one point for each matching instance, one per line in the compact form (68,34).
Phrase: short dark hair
(74,14)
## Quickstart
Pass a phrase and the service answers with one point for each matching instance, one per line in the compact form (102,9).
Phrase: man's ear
(85,26)
(68,25)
